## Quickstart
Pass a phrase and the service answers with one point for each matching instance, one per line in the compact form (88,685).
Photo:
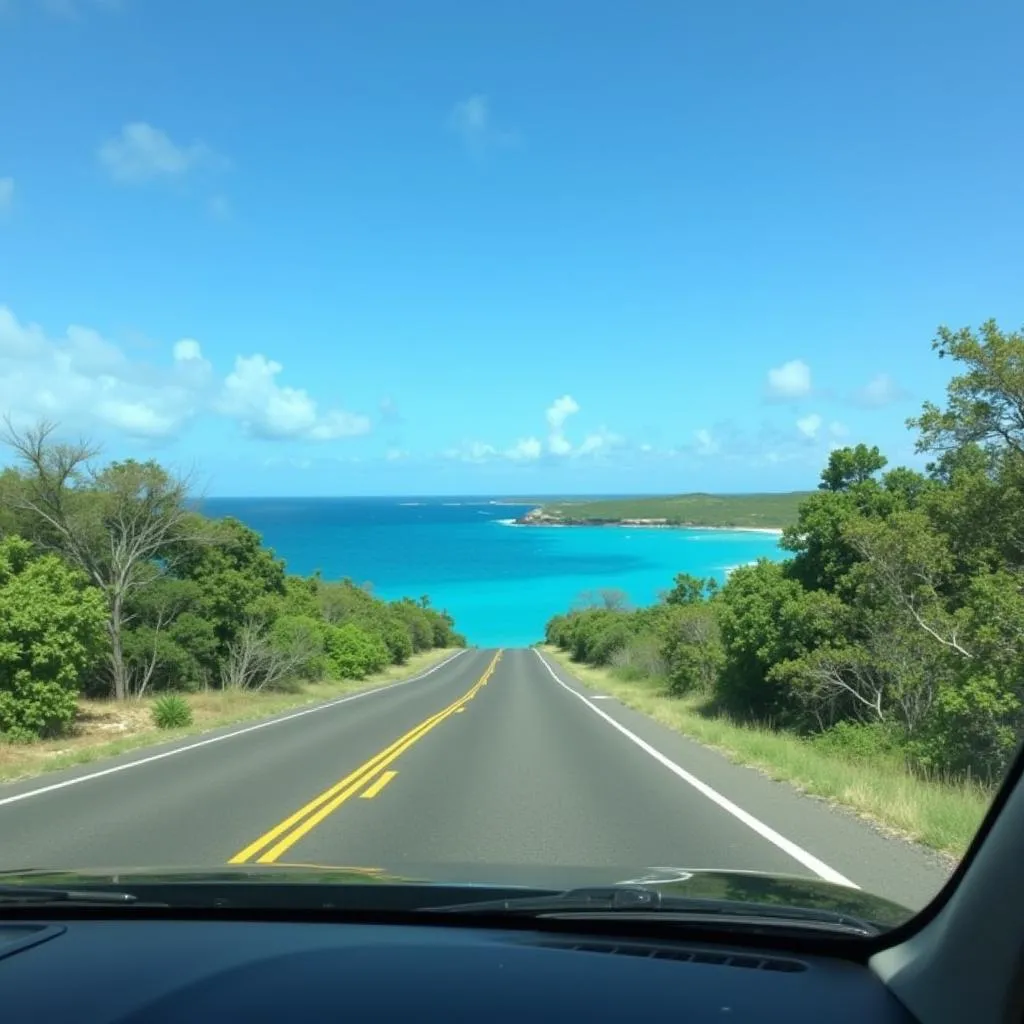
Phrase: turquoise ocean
(501,582)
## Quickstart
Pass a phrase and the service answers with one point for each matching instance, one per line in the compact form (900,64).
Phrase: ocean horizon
(500,581)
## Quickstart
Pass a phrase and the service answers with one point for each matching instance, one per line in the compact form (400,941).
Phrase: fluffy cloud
(6,194)
(526,449)
(472,121)
(594,444)
(531,449)
(143,153)
(809,425)
(558,412)
(252,395)
(837,429)
(790,380)
(85,381)
(880,391)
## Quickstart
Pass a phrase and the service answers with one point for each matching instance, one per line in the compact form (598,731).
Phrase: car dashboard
(92,970)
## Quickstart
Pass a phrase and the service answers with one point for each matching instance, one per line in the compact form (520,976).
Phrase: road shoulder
(881,863)
(218,713)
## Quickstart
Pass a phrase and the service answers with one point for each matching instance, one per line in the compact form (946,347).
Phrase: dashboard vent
(751,961)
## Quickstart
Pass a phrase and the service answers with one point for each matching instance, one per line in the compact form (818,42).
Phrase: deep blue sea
(501,582)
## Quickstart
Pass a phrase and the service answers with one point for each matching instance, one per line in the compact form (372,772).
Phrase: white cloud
(790,380)
(396,454)
(252,395)
(6,194)
(598,442)
(560,410)
(706,443)
(557,413)
(526,449)
(837,429)
(471,451)
(532,448)
(83,380)
(471,119)
(881,390)
(86,382)
(142,153)
(809,425)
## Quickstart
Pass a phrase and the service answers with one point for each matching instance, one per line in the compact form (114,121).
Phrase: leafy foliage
(171,712)
(110,584)
(898,623)
(51,633)
(354,652)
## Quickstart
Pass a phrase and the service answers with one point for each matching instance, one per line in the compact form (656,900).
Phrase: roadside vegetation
(765,511)
(877,786)
(104,728)
(114,588)
(890,642)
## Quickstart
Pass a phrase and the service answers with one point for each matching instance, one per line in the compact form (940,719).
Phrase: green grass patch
(881,788)
(131,723)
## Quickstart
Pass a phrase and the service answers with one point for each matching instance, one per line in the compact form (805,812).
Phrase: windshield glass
(536,445)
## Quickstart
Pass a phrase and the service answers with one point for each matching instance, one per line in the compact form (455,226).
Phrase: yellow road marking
(307,817)
(459,711)
(375,787)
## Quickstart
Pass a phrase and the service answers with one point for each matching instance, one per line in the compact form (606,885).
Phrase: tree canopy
(901,609)
(112,584)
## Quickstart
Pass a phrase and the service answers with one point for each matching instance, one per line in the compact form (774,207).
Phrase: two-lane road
(495,766)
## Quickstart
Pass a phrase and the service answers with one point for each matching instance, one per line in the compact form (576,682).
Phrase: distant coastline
(637,524)
(742,513)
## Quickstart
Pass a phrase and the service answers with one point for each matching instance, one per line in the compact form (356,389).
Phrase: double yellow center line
(282,837)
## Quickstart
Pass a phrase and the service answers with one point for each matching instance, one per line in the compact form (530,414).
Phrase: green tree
(51,633)
(116,524)
(237,580)
(689,589)
(691,646)
(985,404)
(850,466)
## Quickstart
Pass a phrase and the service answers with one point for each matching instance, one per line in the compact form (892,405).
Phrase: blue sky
(341,248)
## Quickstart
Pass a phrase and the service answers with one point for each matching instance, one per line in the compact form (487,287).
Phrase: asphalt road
(495,767)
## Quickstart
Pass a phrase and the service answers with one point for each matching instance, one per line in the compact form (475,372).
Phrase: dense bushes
(111,585)
(895,625)
(51,634)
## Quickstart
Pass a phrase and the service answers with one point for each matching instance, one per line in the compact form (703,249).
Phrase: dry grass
(105,728)
(941,815)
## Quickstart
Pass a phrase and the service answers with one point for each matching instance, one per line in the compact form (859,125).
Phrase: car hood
(314,886)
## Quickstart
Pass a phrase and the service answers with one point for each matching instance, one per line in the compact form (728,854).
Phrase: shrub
(300,640)
(171,711)
(396,636)
(51,633)
(691,645)
(640,659)
(354,652)
(861,741)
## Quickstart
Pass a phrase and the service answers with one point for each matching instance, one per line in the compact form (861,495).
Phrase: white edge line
(224,736)
(798,853)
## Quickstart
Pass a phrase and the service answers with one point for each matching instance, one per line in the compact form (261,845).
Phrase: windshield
(535,445)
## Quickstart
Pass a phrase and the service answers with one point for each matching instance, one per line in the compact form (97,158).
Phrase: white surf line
(224,736)
(798,853)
